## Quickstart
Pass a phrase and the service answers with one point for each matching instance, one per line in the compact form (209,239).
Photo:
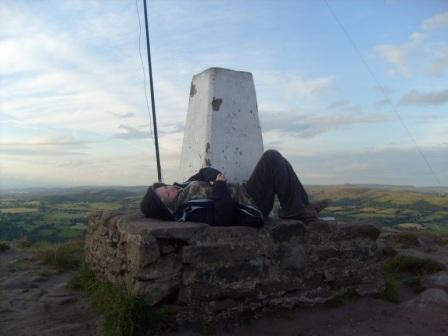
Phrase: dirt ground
(365,316)
(425,314)
(34,301)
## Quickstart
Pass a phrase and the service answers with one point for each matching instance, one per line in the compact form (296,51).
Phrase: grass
(406,271)
(410,239)
(61,256)
(18,210)
(19,264)
(437,237)
(124,314)
(413,265)
(75,206)
(56,216)
(391,291)
(410,226)
(372,216)
(338,301)
(405,239)
(4,246)
(105,206)
(23,242)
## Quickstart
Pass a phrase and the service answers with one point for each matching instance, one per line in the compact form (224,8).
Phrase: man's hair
(152,206)
(158,185)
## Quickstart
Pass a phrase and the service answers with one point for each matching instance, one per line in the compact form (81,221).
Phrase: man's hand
(219,177)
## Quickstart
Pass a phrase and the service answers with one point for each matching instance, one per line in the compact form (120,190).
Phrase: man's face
(167,193)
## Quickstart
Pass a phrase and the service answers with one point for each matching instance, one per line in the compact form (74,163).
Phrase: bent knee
(271,154)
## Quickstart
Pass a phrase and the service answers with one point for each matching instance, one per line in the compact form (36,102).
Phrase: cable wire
(383,91)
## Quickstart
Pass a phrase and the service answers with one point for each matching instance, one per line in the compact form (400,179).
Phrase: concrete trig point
(222,128)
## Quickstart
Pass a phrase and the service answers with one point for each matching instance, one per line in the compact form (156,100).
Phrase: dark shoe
(318,206)
(309,215)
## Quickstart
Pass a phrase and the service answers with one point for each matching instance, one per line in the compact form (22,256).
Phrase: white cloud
(46,141)
(437,21)
(406,58)
(395,166)
(440,64)
(132,133)
(396,55)
(122,115)
(379,104)
(420,98)
(339,104)
(307,125)
(308,88)
(75,73)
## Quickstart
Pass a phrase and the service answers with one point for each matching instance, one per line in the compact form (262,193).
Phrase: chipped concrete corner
(216,103)
(192,90)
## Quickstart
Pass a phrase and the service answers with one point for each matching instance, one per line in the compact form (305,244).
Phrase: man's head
(167,193)
(154,204)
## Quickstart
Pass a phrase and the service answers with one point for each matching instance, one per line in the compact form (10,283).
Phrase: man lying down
(207,197)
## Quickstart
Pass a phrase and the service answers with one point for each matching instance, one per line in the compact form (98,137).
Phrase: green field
(404,209)
(61,214)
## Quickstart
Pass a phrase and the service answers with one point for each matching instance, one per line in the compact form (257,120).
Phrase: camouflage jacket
(220,204)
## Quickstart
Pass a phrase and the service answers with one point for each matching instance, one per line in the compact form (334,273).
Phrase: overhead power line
(143,69)
(383,91)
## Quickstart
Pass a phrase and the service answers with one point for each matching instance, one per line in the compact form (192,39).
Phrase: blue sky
(72,103)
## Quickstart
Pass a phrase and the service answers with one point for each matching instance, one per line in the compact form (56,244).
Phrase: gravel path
(35,301)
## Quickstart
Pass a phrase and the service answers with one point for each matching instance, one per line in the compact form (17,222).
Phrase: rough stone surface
(213,273)
(438,280)
(428,298)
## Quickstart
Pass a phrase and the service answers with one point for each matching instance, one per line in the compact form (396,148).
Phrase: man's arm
(207,174)
(224,207)
(223,211)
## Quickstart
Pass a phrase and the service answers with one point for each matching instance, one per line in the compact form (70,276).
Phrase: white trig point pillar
(222,129)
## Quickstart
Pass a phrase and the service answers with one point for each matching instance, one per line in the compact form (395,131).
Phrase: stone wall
(212,273)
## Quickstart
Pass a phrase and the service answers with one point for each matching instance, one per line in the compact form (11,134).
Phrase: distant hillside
(57,214)
(61,213)
(437,190)
(395,208)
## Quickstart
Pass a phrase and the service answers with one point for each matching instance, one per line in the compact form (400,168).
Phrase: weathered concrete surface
(222,128)
(211,273)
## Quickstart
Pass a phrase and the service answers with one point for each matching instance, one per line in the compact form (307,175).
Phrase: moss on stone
(407,271)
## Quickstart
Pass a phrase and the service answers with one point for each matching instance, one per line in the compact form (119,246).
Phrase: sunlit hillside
(61,214)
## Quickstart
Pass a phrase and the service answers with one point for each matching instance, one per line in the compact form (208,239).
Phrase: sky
(348,91)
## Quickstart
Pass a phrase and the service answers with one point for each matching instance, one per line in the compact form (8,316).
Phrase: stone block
(154,292)
(285,230)
(293,257)
(356,231)
(164,268)
(437,280)
(162,229)
(142,250)
(222,127)
(241,269)
(214,254)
